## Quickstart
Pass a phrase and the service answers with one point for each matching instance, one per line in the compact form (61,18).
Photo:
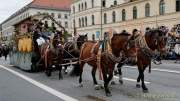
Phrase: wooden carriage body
(23,55)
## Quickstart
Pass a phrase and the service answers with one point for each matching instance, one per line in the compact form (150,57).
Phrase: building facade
(59,9)
(1,34)
(98,16)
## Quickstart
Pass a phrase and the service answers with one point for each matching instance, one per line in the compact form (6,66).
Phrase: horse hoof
(121,81)
(113,83)
(108,94)
(138,85)
(80,85)
(97,87)
(65,72)
(48,73)
(115,72)
(145,91)
(60,78)
(102,87)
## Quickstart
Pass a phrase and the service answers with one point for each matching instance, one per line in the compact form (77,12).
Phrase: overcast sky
(8,7)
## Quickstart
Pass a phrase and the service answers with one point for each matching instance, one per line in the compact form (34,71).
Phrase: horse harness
(140,44)
(107,52)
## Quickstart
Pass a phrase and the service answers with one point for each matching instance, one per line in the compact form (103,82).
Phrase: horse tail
(150,67)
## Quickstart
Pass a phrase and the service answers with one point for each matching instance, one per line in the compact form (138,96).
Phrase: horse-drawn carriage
(29,35)
(37,46)
(53,53)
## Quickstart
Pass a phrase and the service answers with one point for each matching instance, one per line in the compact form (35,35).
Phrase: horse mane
(152,32)
(122,34)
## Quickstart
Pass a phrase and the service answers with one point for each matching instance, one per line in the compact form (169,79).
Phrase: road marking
(42,86)
(156,69)
(166,70)
(128,79)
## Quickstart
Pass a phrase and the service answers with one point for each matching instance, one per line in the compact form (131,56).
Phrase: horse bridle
(158,42)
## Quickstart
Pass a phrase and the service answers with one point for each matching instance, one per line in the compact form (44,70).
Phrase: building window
(74,22)
(52,24)
(162,7)
(79,7)
(66,24)
(85,21)
(59,15)
(65,16)
(82,22)
(114,16)
(46,13)
(123,15)
(147,10)
(93,20)
(46,24)
(79,22)
(115,2)
(28,14)
(93,37)
(52,14)
(104,3)
(82,6)
(177,5)
(73,9)
(134,12)
(38,12)
(105,18)
(59,22)
(85,5)
(92,1)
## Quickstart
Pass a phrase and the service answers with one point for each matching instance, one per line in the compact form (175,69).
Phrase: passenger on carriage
(45,33)
(40,37)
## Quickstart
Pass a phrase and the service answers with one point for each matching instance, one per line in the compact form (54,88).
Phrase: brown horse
(52,55)
(156,40)
(89,53)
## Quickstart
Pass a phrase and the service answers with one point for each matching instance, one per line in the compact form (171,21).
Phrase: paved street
(17,85)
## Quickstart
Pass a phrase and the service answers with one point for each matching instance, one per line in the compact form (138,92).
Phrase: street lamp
(156,19)
(101,22)
(74,21)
